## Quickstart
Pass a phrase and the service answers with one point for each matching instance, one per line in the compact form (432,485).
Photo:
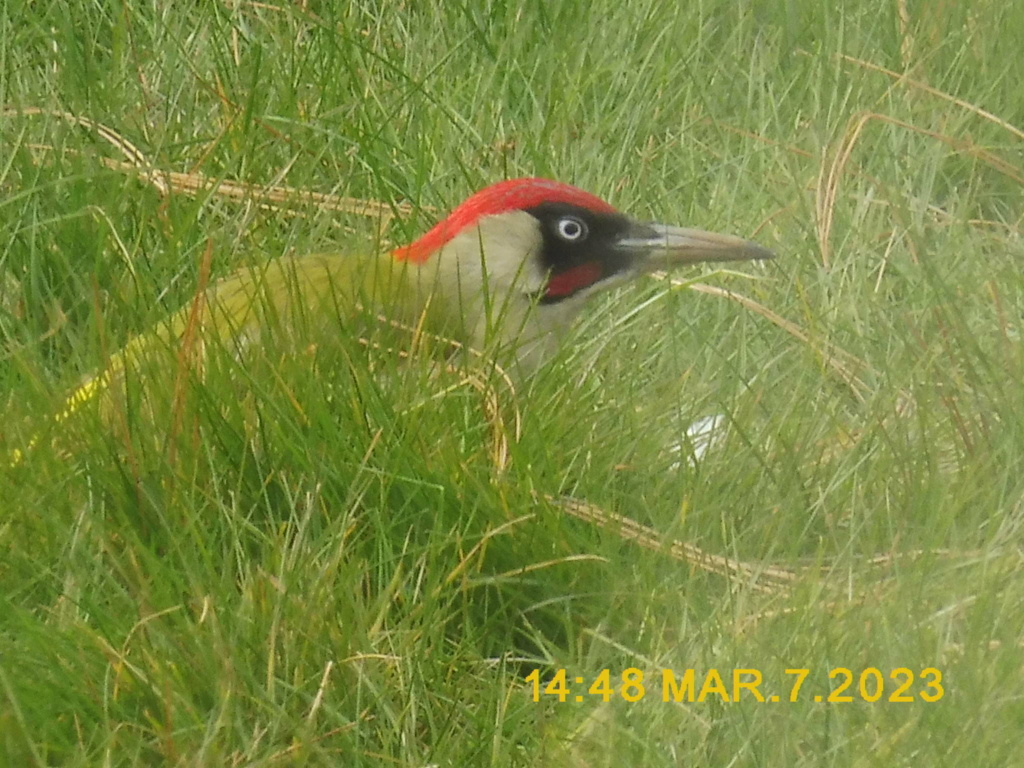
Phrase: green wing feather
(279,294)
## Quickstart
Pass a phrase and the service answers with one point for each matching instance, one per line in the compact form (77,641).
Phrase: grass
(321,556)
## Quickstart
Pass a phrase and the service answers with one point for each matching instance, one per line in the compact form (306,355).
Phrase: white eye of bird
(571,229)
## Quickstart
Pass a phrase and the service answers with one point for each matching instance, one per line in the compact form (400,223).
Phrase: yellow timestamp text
(901,685)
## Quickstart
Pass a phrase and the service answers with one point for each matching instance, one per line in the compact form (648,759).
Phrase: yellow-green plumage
(278,297)
(298,299)
(281,297)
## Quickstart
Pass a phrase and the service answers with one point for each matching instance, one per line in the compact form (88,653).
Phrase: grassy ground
(307,561)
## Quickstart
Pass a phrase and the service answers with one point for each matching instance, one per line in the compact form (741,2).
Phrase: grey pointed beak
(660,246)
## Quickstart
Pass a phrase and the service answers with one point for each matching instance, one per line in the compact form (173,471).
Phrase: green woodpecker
(507,271)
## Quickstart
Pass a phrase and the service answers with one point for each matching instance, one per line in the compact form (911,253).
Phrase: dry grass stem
(761,578)
(1004,124)
(844,364)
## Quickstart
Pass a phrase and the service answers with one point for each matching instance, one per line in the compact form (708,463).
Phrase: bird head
(519,259)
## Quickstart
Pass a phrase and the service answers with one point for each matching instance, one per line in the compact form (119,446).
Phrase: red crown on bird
(511,195)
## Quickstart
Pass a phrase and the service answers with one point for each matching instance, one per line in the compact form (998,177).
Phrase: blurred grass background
(314,556)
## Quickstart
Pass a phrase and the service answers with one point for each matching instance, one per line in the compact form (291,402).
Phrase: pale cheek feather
(490,271)
(496,286)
